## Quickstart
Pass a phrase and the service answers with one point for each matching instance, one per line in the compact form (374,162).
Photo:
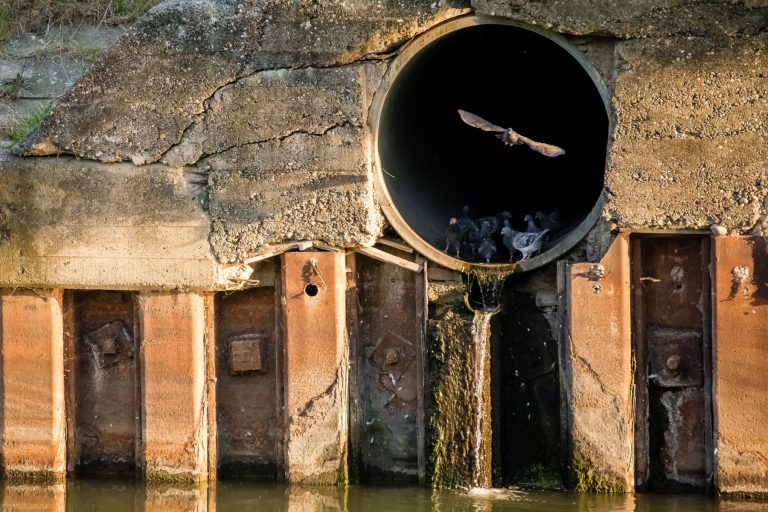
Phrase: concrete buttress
(596,371)
(174,424)
(33,421)
(740,358)
(316,367)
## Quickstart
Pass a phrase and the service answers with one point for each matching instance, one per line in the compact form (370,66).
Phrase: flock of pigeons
(477,235)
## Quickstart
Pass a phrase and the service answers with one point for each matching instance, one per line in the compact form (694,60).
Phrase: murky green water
(112,496)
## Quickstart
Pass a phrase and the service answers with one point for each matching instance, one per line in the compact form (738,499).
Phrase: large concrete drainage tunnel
(431,164)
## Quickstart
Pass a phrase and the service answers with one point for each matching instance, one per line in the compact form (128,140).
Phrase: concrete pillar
(33,420)
(316,360)
(596,371)
(174,422)
(740,364)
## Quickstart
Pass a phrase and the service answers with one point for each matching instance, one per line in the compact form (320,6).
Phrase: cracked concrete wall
(263,108)
(691,132)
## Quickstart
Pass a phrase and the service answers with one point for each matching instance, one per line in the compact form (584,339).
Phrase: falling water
(481,337)
(486,303)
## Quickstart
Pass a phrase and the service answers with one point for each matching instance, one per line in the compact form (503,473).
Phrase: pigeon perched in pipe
(487,249)
(551,221)
(531,226)
(453,236)
(476,236)
(465,222)
(509,136)
(496,221)
(526,244)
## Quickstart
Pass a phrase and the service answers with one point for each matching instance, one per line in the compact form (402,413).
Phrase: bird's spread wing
(540,147)
(478,122)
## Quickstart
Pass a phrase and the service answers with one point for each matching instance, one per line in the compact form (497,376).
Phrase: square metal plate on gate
(246,354)
(675,357)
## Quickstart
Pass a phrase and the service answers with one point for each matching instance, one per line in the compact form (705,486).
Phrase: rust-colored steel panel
(389,361)
(316,356)
(671,280)
(671,309)
(682,456)
(33,423)
(675,358)
(104,378)
(247,393)
(741,364)
(596,365)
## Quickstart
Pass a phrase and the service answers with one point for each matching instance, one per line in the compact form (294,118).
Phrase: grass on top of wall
(18,16)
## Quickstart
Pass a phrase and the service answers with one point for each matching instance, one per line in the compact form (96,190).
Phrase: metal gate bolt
(673,362)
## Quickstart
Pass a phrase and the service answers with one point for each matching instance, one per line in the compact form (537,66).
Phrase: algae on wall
(450,383)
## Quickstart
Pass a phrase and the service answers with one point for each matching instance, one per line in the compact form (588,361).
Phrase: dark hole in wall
(434,163)
(528,436)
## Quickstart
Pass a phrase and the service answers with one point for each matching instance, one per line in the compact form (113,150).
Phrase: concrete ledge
(174,423)
(33,422)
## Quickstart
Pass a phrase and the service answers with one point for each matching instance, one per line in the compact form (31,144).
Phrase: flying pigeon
(496,221)
(509,136)
(551,221)
(487,249)
(453,236)
(526,243)
(531,225)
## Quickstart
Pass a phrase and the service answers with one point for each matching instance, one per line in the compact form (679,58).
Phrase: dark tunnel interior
(434,164)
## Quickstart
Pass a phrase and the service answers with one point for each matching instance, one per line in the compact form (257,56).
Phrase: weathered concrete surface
(174,425)
(181,53)
(33,422)
(596,363)
(740,363)
(689,147)
(635,19)
(273,104)
(316,367)
(89,225)
(329,197)
(287,158)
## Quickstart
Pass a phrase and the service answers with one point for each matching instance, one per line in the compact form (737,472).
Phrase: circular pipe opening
(430,163)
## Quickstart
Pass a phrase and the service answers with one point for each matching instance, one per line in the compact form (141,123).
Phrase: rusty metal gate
(671,311)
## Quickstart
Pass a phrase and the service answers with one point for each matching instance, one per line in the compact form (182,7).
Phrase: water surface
(118,496)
